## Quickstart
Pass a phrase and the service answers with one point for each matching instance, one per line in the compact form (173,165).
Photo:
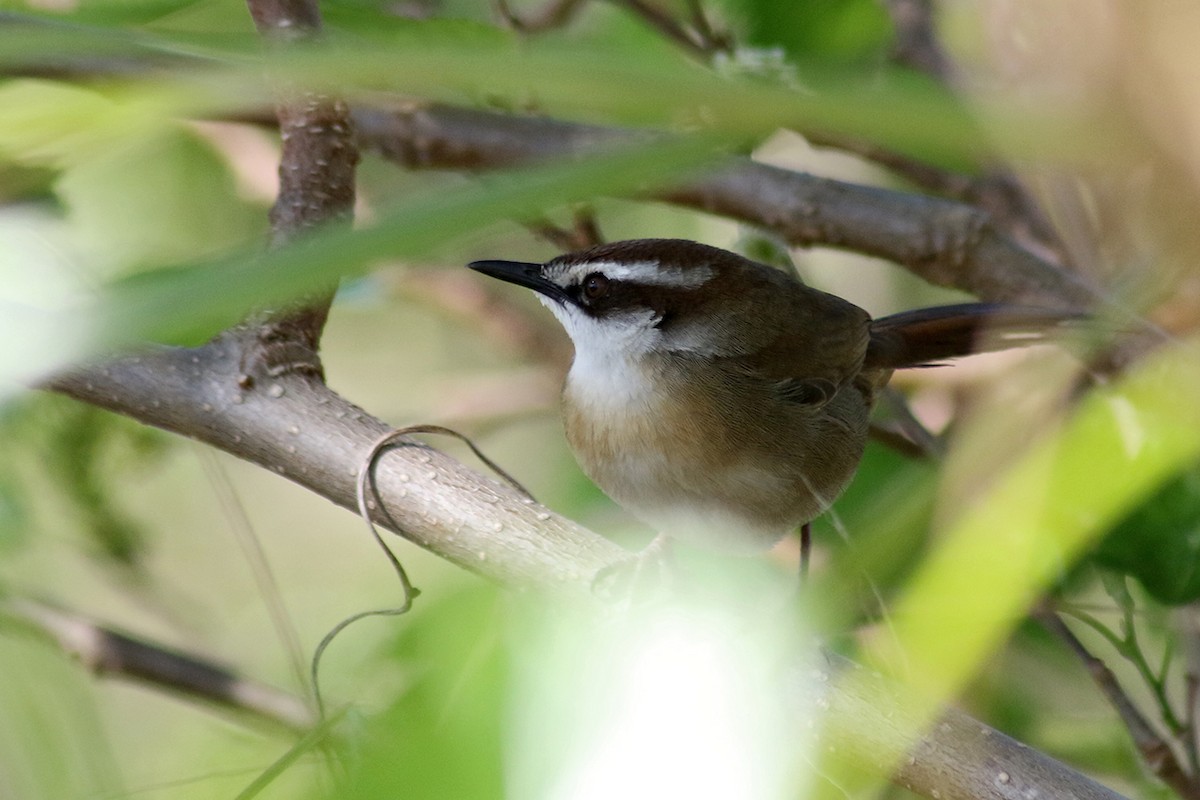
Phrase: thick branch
(959,758)
(297,427)
(946,243)
(293,425)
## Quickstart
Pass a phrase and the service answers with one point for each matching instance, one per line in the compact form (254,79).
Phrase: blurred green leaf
(15,519)
(160,198)
(310,741)
(838,30)
(52,742)
(160,305)
(878,532)
(129,12)
(85,454)
(443,735)
(1121,444)
(610,81)
(47,123)
(1158,543)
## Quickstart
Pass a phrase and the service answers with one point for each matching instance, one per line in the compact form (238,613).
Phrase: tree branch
(296,426)
(108,652)
(293,425)
(316,187)
(946,243)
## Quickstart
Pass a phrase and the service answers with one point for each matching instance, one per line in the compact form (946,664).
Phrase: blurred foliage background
(134,197)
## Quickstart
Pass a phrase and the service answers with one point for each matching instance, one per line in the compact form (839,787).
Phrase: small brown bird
(723,401)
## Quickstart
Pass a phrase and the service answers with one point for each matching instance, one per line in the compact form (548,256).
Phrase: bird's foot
(640,577)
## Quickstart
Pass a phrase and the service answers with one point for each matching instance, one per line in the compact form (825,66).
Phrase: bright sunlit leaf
(1120,444)
(663,701)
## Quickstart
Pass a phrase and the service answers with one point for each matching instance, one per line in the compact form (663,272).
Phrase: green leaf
(878,531)
(1019,534)
(44,123)
(615,82)
(443,736)
(1119,446)
(162,305)
(162,197)
(52,743)
(84,454)
(839,30)
(1158,543)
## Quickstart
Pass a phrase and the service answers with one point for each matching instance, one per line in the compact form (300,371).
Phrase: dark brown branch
(915,43)
(110,653)
(946,243)
(316,187)
(998,192)
(583,233)
(1156,752)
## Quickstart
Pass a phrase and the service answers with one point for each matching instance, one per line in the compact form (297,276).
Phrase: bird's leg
(805,550)
(631,577)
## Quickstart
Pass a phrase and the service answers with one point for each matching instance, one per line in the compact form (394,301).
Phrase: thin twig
(923,443)
(1156,752)
(713,40)
(583,233)
(106,651)
(669,27)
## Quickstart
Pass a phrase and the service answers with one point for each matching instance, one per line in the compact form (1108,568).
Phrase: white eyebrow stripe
(646,272)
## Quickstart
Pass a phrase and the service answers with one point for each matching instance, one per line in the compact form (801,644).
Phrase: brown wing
(815,347)
(763,324)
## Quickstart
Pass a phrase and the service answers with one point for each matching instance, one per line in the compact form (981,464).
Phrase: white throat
(608,369)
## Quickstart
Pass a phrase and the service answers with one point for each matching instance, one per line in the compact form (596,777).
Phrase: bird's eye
(595,286)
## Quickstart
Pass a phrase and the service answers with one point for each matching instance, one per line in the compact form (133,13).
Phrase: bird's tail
(927,335)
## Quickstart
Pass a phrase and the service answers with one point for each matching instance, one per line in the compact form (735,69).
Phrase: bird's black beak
(522,274)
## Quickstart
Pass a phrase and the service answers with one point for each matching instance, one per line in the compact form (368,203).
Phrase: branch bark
(297,427)
(316,187)
(944,242)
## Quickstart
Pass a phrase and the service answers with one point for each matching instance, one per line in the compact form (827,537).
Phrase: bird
(723,401)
